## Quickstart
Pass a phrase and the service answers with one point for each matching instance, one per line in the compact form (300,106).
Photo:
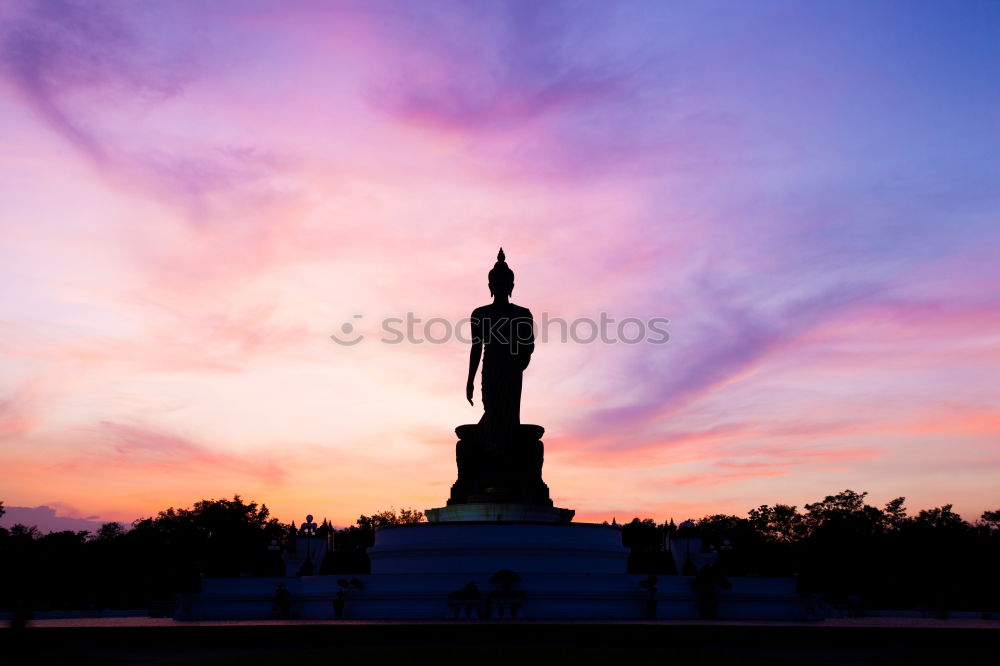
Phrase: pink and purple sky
(194,196)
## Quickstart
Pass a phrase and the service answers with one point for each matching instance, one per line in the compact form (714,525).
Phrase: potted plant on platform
(649,584)
(339,599)
(466,598)
(506,597)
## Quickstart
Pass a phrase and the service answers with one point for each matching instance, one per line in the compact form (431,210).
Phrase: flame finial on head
(501,275)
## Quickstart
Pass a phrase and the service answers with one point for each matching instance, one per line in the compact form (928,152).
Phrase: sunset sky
(194,196)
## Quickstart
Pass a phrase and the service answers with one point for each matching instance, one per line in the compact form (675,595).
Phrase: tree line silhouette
(841,548)
(845,550)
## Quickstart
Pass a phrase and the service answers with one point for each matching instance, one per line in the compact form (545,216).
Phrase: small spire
(501,273)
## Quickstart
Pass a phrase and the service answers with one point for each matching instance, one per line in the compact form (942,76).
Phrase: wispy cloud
(523,62)
(17,413)
(721,352)
(139,450)
(57,51)
(49,518)
(93,71)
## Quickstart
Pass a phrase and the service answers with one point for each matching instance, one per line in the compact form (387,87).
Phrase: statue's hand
(468,392)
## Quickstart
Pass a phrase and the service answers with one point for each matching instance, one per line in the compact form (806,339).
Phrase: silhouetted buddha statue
(503,335)
(500,459)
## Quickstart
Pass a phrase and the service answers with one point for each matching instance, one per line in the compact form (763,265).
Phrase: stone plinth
(489,512)
(510,474)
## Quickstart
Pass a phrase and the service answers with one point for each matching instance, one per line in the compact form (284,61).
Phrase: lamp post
(274,563)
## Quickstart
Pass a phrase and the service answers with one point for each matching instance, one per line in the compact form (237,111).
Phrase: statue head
(501,277)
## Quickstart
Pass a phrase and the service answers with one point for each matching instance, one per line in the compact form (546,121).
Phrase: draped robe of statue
(507,334)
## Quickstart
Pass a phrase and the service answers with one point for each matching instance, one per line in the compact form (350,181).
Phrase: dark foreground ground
(507,644)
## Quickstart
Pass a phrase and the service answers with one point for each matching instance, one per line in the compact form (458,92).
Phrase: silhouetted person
(283,601)
(503,335)
(20,614)
(649,584)
(854,607)
(706,590)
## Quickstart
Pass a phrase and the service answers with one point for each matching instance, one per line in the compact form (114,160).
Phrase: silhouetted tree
(349,554)
(109,531)
(214,538)
(646,540)
(780,523)
(741,548)
(940,518)
(895,513)
(989,521)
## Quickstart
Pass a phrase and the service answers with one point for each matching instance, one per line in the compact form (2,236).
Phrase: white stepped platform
(498,512)
(546,597)
(486,547)
(567,571)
